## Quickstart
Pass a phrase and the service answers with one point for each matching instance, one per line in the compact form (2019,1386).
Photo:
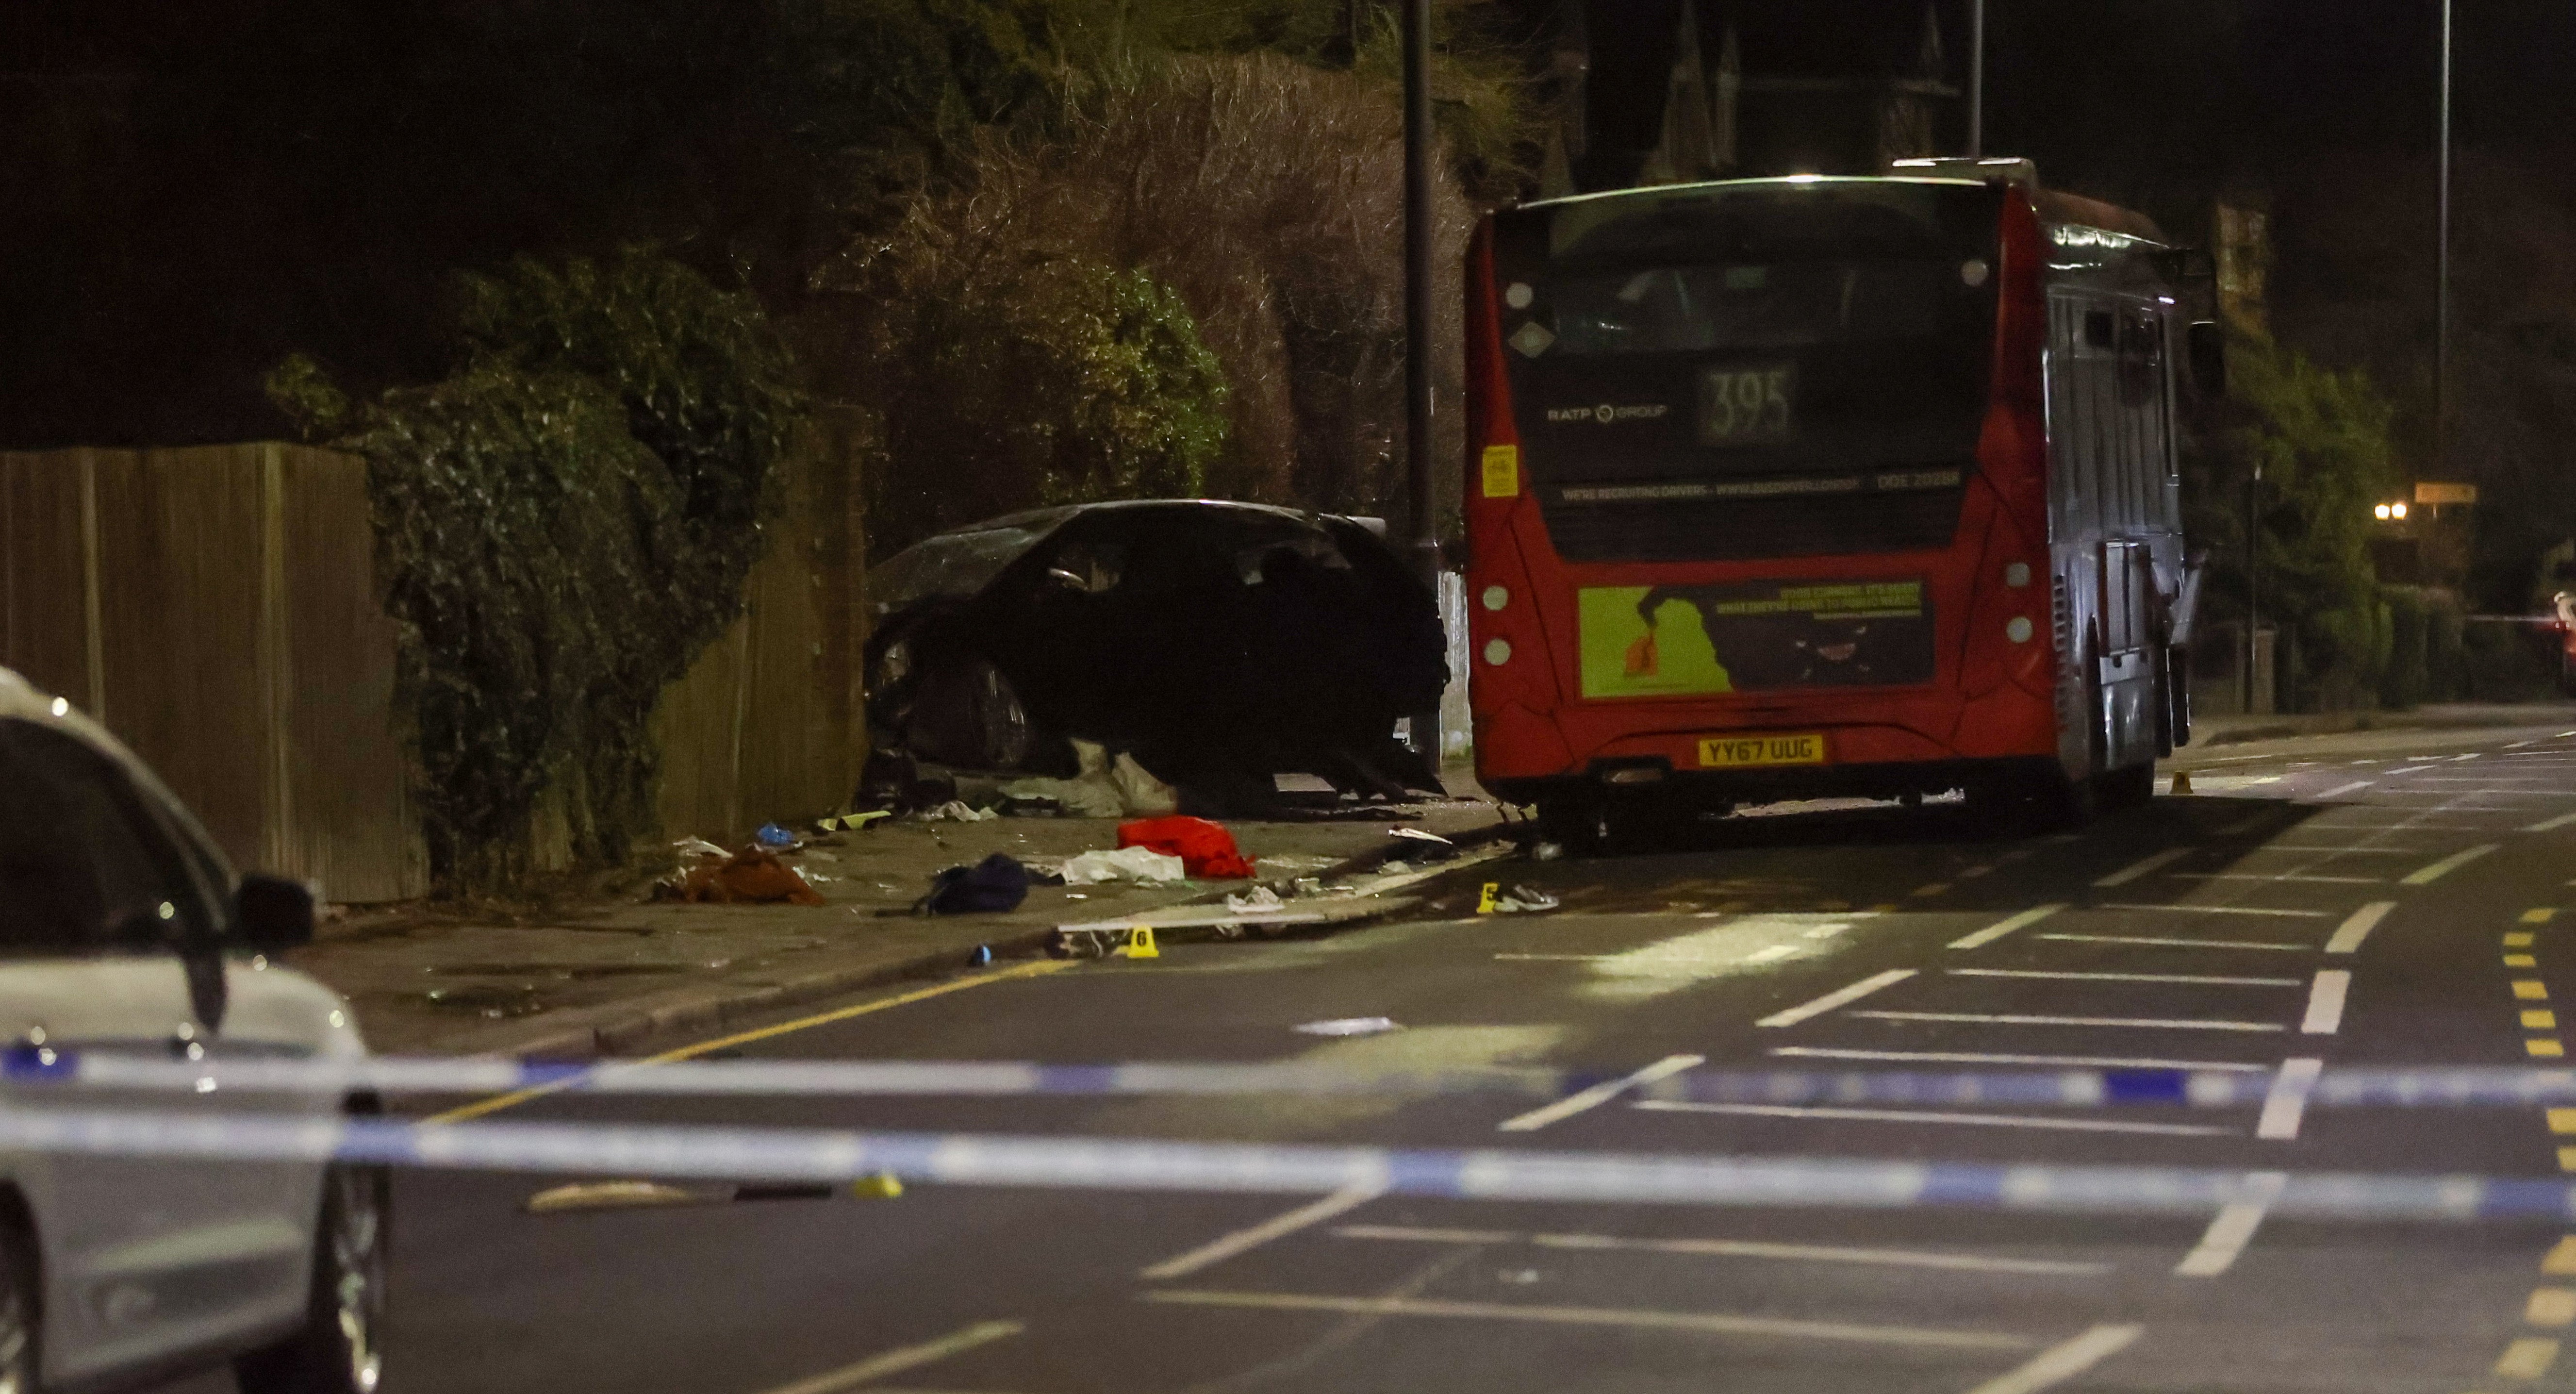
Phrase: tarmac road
(2373,898)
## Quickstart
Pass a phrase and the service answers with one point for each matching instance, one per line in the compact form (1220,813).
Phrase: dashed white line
(1837,998)
(2176,943)
(2233,1229)
(2064,1361)
(2002,927)
(2552,825)
(2208,978)
(2342,789)
(2426,876)
(1902,1115)
(2216,910)
(1975,1057)
(2015,1020)
(2325,1002)
(1598,1094)
(2357,927)
(1733,1248)
(895,1362)
(1711,1323)
(2142,866)
(2287,1101)
(1347,1199)
(2298,877)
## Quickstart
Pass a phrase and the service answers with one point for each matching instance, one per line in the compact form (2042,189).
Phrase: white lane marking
(1976,1057)
(2517,745)
(1837,998)
(2215,910)
(2426,876)
(2078,1021)
(2552,825)
(2142,866)
(895,1362)
(2175,943)
(2211,979)
(2357,927)
(1905,1115)
(1710,1323)
(2470,756)
(2339,851)
(2301,877)
(2064,1361)
(2233,1229)
(2342,789)
(1773,954)
(1598,1094)
(2413,769)
(1217,1251)
(2287,1100)
(1731,1248)
(2325,1002)
(2002,927)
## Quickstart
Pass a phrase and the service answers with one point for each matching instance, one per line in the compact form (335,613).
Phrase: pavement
(585,976)
(2376,897)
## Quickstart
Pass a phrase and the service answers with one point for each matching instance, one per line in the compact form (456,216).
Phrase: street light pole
(2253,575)
(1417,326)
(2442,273)
(1976,79)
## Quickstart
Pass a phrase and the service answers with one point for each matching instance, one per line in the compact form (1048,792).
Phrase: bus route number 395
(1738,406)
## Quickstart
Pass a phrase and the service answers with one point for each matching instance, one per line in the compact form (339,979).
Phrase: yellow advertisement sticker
(1502,471)
(1631,652)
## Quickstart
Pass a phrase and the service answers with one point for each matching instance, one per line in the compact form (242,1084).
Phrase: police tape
(2453,1086)
(1119,1164)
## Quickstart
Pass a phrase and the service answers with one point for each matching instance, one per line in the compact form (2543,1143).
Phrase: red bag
(1206,849)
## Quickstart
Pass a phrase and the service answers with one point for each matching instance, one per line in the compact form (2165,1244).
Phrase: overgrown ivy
(562,524)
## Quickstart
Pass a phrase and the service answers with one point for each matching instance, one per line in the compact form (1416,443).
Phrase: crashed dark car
(1220,643)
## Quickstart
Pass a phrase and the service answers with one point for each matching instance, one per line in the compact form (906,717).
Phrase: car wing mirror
(272,913)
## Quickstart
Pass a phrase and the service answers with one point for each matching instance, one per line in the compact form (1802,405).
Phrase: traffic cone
(2182,781)
(1140,943)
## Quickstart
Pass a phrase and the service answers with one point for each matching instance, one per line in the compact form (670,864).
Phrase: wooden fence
(217,608)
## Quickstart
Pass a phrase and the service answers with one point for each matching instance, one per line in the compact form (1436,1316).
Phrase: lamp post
(1416,15)
(2442,272)
(2253,562)
(1977,78)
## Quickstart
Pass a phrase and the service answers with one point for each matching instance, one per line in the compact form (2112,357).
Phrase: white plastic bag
(1126,864)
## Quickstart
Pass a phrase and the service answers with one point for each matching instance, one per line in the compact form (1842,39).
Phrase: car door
(145,1257)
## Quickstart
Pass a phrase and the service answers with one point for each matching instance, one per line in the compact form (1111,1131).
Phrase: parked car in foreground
(123,930)
(1221,643)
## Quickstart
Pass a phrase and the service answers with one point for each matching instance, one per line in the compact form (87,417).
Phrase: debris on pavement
(690,847)
(1517,900)
(1547,851)
(957,811)
(1213,645)
(752,876)
(1206,849)
(774,837)
(1257,899)
(1422,847)
(1091,793)
(1349,1026)
(993,885)
(1142,864)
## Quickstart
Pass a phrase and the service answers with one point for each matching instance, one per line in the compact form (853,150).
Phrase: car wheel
(18,1321)
(340,1348)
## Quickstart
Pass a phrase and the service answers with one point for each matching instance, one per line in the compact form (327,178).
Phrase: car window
(84,866)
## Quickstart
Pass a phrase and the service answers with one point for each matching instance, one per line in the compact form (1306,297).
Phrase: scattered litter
(614,1195)
(1520,899)
(1291,861)
(1256,899)
(1349,1026)
(852,822)
(1126,864)
(983,955)
(957,811)
(1428,848)
(1206,849)
(752,876)
(1310,885)
(698,847)
(774,837)
(994,884)
(1547,851)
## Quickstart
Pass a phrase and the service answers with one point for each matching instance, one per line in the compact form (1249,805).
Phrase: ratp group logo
(1608,412)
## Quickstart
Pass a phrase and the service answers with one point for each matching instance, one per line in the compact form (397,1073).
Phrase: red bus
(1818,487)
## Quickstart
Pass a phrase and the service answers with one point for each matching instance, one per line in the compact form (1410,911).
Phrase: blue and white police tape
(2340,1087)
(1088,1163)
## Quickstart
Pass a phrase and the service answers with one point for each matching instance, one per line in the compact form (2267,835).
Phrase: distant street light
(2380,512)
(2389,512)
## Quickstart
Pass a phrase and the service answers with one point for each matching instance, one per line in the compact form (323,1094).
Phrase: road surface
(2375,898)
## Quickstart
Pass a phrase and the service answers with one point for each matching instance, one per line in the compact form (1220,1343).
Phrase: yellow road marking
(2539,916)
(2527,1358)
(2540,1021)
(2562,1120)
(515,1097)
(2520,961)
(2521,940)
(2530,990)
(2551,1307)
(2567,1159)
(2561,1258)
(2545,1046)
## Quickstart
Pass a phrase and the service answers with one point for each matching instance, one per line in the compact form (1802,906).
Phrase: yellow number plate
(1730,752)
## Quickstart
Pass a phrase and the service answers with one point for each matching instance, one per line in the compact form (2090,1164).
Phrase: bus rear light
(2017,576)
(2018,629)
(1498,651)
(1495,597)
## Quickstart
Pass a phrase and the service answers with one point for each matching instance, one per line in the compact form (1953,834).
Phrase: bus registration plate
(1723,752)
